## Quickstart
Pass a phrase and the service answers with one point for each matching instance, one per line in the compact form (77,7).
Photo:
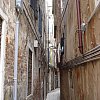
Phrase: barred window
(29,72)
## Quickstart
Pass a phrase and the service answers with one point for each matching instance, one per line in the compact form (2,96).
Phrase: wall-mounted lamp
(19,5)
(53,48)
(83,27)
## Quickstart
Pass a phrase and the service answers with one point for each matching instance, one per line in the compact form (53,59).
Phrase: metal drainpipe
(16,60)
(79,26)
(48,58)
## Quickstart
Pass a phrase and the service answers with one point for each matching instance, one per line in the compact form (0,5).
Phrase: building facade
(32,61)
(54,71)
(80,43)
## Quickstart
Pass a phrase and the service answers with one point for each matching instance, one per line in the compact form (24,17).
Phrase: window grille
(29,72)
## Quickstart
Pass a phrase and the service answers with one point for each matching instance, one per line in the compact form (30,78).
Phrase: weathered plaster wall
(69,26)
(81,82)
(26,40)
(57,18)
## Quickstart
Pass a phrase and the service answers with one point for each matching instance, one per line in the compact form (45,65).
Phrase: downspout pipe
(16,60)
(79,26)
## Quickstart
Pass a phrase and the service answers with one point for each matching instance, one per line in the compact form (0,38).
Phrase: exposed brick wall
(26,41)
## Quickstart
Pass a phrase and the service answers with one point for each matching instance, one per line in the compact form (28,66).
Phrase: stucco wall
(82,81)
(69,27)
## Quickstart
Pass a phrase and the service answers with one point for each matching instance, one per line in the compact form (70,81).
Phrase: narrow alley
(49,49)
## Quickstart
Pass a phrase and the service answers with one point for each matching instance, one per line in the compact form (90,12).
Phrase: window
(55,29)
(56,79)
(40,22)
(29,72)
(33,4)
(62,45)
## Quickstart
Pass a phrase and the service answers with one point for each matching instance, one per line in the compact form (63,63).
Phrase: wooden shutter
(30,72)
(33,4)
(40,22)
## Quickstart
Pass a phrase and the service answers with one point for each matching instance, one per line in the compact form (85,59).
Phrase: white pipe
(2,60)
(16,61)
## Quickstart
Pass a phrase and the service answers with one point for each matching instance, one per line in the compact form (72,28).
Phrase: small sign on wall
(35,43)
(97,2)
